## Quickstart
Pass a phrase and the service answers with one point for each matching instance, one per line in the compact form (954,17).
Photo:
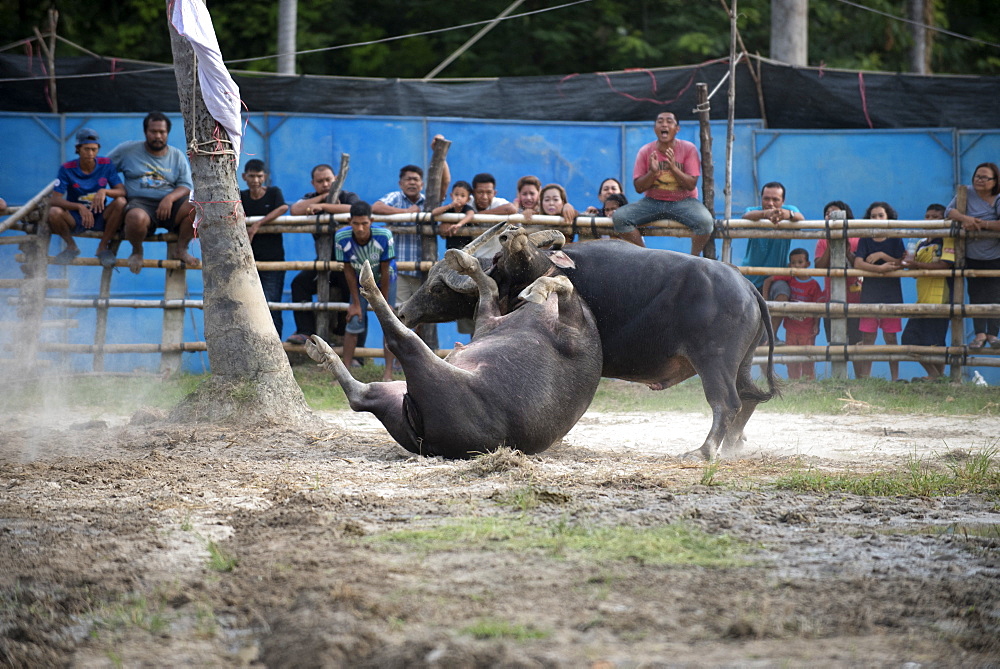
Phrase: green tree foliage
(600,35)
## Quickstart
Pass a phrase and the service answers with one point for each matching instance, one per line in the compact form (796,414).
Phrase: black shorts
(925,332)
(149,206)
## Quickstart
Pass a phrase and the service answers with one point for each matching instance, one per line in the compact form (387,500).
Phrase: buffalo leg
(722,396)
(384,400)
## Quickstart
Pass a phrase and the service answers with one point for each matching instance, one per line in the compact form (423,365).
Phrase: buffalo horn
(487,236)
(547,237)
(459,283)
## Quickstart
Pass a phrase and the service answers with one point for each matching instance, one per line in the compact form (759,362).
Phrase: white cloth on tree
(191,20)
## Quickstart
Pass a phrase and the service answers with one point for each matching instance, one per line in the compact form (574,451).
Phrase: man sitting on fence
(79,199)
(666,172)
(158,183)
(304,284)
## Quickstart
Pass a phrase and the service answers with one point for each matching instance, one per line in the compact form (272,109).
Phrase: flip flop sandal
(66,256)
(107,259)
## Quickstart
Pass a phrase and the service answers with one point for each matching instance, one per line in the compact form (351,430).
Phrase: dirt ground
(108,527)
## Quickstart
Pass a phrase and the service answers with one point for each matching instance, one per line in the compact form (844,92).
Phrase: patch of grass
(675,544)
(980,473)
(502,629)
(219,559)
(530,497)
(132,611)
(110,393)
(126,395)
(708,473)
(827,396)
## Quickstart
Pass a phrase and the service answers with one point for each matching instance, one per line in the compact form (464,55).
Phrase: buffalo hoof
(540,289)
(696,454)
(367,280)
(318,350)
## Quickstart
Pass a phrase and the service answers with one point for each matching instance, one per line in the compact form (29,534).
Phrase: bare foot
(188,259)
(135,263)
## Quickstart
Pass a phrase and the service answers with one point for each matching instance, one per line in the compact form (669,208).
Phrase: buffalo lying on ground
(522,382)
(662,316)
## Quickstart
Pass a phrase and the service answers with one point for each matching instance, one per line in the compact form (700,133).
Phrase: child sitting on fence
(461,193)
(881,255)
(800,330)
(354,246)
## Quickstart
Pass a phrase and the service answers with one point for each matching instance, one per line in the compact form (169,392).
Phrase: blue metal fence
(908,168)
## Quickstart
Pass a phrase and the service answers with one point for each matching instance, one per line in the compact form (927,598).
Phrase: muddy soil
(150,544)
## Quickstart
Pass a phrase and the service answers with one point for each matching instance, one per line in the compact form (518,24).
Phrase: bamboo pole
(958,286)
(27,207)
(324,248)
(49,283)
(859,310)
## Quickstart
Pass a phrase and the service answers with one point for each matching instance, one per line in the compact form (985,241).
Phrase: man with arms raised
(666,172)
(158,184)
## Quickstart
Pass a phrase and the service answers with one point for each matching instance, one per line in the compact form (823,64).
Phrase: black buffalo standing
(662,316)
(522,382)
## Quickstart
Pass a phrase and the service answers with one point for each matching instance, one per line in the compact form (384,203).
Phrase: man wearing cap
(80,199)
(158,182)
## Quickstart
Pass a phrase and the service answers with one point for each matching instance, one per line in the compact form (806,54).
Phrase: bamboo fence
(33,299)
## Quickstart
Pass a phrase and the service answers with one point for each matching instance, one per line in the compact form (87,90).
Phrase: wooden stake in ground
(251,379)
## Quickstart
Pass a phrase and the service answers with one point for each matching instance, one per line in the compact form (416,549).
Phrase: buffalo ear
(561,260)
(459,282)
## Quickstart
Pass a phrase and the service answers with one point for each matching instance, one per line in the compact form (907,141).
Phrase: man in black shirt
(266,201)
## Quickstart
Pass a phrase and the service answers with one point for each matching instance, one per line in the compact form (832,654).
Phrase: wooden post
(958,287)
(49,51)
(101,325)
(707,166)
(175,288)
(324,249)
(838,295)
(428,241)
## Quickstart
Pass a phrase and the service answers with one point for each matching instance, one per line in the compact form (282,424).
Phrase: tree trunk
(790,31)
(251,379)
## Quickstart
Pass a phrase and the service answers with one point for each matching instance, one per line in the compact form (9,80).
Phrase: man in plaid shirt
(409,198)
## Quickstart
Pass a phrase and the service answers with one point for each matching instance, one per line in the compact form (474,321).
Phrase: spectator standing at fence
(555,203)
(609,186)
(356,245)
(881,255)
(484,196)
(822,253)
(304,284)
(982,213)
(409,198)
(613,203)
(770,252)
(528,201)
(158,186)
(259,199)
(322,178)
(666,173)
(800,330)
(931,253)
(461,194)
(80,199)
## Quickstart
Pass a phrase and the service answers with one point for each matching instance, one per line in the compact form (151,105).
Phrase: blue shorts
(98,222)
